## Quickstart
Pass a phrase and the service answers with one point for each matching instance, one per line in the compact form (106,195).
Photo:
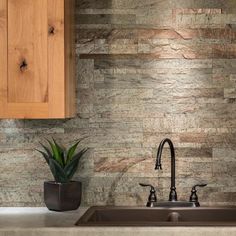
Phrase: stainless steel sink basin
(144,216)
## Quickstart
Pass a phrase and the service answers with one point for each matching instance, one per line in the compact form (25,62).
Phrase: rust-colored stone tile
(158,34)
(115,164)
(225,34)
(227,51)
(193,137)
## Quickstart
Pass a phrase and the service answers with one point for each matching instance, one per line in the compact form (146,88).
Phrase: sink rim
(83,221)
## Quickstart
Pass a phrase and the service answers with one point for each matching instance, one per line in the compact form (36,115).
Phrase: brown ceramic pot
(62,196)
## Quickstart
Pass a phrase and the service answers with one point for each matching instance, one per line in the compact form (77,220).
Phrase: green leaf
(56,153)
(71,151)
(60,151)
(57,171)
(47,150)
(46,157)
(71,167)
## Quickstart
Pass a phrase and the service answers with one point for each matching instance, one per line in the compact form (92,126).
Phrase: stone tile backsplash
(146,70)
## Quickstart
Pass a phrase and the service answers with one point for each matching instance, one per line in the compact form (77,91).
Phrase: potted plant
(62,194)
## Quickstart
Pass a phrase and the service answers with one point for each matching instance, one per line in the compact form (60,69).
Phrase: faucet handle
(193,196)
(146,185)
(152,196)
(198,185)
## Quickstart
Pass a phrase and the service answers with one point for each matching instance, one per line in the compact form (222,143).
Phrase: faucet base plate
(169,204)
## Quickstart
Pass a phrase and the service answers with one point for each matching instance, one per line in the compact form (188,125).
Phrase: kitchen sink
(157,216)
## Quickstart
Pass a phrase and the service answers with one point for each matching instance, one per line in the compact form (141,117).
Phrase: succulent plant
(63,162)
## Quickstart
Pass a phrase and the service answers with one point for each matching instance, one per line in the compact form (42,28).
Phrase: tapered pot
(62,196)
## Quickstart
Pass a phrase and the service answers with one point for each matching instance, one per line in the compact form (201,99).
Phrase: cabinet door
(32,59)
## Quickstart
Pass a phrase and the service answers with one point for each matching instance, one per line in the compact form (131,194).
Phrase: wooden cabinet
(37,59)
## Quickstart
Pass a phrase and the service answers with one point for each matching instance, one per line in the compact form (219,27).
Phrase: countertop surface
(40,221)
(37,217)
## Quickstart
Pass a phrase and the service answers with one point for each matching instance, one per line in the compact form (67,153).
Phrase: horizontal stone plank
(197,11)
(106,19)
(120,4)
(149,64)
(225,34)
(205,20)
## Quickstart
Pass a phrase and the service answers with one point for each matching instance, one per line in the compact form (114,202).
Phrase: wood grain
(44,86)
(27,42)
(25,111)
(3,54)
(56,60)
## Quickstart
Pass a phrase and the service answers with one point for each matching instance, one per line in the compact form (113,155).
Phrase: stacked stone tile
(146,70)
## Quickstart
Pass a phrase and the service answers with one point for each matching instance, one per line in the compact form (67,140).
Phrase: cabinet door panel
(27,51)
(36,80)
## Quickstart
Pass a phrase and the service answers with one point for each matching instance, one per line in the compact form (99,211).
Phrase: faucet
(173,193)
(152,199)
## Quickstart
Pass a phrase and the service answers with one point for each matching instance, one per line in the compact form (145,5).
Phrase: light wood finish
(44,87)
(3,54)
(56,62)
(27,41)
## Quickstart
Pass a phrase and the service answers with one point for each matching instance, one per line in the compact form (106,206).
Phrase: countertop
(38,217)
(40,221)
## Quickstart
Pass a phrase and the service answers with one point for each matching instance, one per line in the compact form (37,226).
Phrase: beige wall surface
(146,70)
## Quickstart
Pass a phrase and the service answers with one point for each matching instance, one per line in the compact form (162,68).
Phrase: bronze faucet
(152,199)
(173,193)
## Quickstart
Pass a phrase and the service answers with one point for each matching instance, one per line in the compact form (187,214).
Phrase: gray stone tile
(143,74)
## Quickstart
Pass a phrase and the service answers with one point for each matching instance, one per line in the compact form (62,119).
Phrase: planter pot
(62,196)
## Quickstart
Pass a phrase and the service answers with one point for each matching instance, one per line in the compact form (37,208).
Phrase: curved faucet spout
(173,194)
